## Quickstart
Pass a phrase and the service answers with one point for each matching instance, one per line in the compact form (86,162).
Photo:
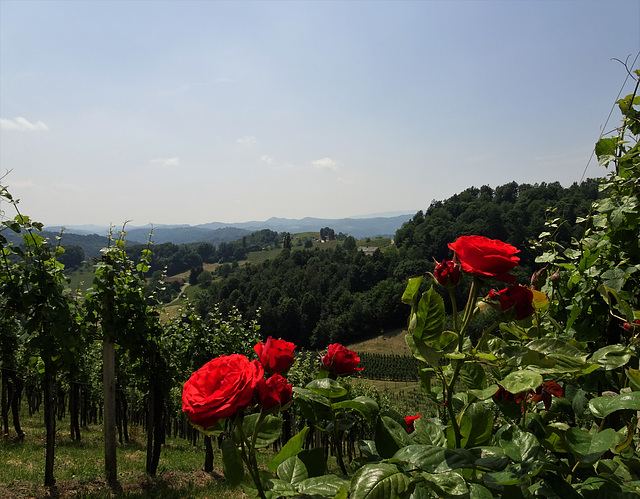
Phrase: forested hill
(512,213)
(315,297)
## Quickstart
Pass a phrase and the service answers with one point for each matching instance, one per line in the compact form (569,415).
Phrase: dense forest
(314,297)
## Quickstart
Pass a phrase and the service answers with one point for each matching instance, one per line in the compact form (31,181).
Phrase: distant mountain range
(216,232)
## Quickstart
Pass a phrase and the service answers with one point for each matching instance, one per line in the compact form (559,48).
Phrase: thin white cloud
(267,159)
(173,91)
(325,164)
(21,124)
(175,161)
(247,140)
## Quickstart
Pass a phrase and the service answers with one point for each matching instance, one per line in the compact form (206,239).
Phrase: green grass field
(79,467)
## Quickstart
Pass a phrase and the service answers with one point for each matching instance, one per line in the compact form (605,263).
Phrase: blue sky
(193,112)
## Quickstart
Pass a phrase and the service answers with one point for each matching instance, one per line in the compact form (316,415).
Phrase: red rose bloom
(487,258)
(503,395)
(341,360)
(222,388)
(520,298)
(545,391)
(447,272)
(275,355)
(630,327)
(410,420)
(274,391)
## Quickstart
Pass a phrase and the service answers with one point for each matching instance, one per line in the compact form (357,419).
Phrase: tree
(72,257)
(349,243)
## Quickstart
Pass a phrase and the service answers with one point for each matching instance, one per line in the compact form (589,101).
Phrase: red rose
(503,395)
(545,391)
(519,298)
(484,257)
(274,391)
(275,355)
(447,273)
(341,360)
(630,327)
(410,420)
(222,388)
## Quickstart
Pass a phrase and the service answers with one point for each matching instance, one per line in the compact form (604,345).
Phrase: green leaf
(368,448)
(477,491)
(428,432)
(352,404)
(612,356)
(292,470)
(410,295)
(314,460)
(327,387)
(492,458)
(371,404)
(275,487)
(422,351)
(434,459)
(485,393)
(521,381)
(314,407)
(587,447)
(601,407)
(633,375)
(449,484)
(481,430)
(323,486)
(517,444)
(31,240)
(290,449)
(614,279)
(472,375)
(606,150)
(380,481)
(430,315)
(232,462)
(268,431)
(390,436)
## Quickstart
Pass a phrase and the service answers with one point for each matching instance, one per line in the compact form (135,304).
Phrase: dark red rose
(275,355)
(341,360)
(447,273)
(274,391)
(222,388)
(632,326)
(519,298)
(410,422)
(506,396)
(487,258)
(545,391)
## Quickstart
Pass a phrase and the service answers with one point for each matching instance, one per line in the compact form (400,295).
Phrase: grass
(81,278)
(261,256)
(79,467)
(390,342)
